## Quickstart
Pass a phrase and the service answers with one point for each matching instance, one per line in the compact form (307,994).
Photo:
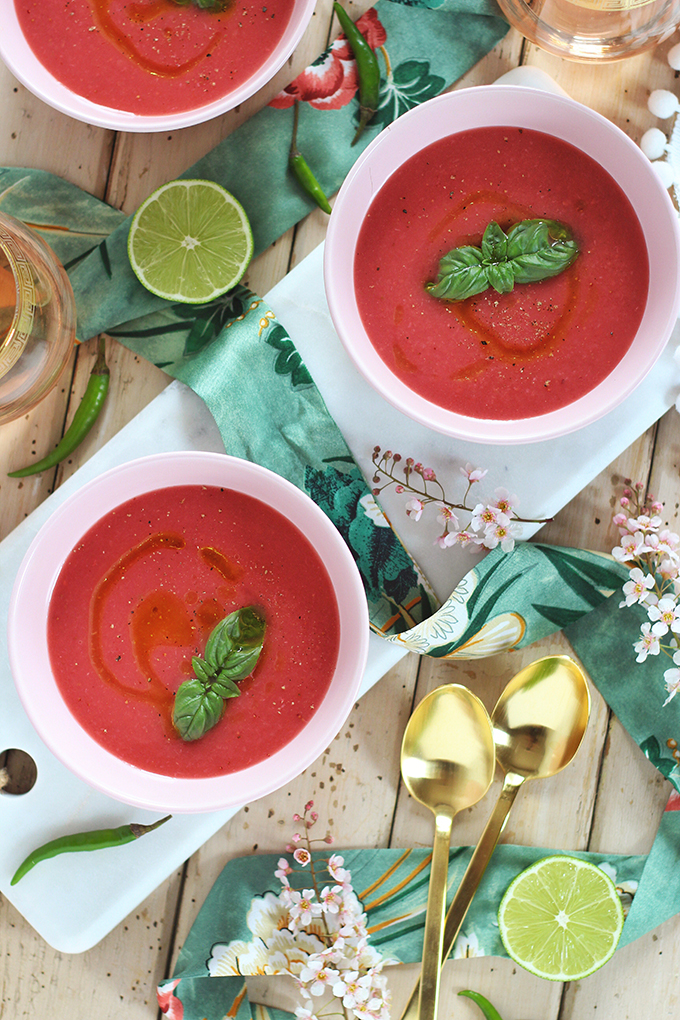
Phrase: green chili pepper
(368,69)
(99,839)
(83,420)
(489,1011)
(302,172)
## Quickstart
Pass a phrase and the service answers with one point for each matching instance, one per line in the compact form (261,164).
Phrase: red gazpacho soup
(152,57)
(138,597)
(513,355)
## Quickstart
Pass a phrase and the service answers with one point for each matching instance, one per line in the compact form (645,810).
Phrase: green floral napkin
(242,928)
(270,411)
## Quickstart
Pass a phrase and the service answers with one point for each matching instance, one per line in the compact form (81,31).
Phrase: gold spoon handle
(434,918)
(468,885)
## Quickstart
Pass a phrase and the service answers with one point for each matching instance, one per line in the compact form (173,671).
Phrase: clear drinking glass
(37,319)
(593,29)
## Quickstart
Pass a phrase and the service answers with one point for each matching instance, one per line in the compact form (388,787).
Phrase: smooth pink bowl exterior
(510,105)
(24,65)
(29,657)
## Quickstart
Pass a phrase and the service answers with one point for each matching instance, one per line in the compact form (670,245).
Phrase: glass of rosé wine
(37,319)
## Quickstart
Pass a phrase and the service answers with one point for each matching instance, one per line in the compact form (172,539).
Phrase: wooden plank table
(609,799)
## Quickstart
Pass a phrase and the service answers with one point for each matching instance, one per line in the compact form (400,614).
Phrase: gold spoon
(447,763)
(538,725)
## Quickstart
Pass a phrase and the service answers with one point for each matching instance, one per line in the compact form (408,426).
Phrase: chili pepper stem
(294,151)
(301,170)
(138,830)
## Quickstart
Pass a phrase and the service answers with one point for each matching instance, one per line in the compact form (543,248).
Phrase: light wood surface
(609,799)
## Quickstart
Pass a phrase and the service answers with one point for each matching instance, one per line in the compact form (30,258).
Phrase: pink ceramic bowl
(25,66)
(30,660)
(507,105)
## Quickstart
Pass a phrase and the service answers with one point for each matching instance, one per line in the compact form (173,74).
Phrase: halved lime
(561,918)
(190,241)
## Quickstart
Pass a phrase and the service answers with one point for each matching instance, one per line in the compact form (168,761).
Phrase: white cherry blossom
(637,589)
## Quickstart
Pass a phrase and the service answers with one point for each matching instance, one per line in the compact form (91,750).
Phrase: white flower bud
(662,103)
(674,57)
(653,143)
(664,172)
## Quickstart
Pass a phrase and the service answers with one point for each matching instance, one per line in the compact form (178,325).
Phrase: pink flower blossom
(473,474)
(631,547)
(504,501)
(672,680)
(302,1013)
(468,540)
(284,869)
(331,898)
(303,908)
(648,643)
(503,532)
(645,523)
(317,976)
(302,856)
(352,989)
(446,516)
(666,616)
(414,509)
(664,544)
(335,868)
(484,516)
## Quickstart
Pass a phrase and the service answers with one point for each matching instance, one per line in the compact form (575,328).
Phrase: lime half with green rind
(190,241)
(561,918)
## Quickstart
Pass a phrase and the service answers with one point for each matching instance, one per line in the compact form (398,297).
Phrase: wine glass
(37,319)
(590,30)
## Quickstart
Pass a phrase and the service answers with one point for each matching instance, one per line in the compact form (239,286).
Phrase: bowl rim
(17,54)
(37,688)
(522,106)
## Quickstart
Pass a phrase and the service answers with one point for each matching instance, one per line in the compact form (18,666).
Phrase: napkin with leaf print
(237,355)
(244,926)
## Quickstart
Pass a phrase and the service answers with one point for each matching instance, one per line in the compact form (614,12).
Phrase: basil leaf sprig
(231,654)
(532,250)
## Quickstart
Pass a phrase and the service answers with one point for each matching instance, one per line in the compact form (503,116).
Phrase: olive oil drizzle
(137,14)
